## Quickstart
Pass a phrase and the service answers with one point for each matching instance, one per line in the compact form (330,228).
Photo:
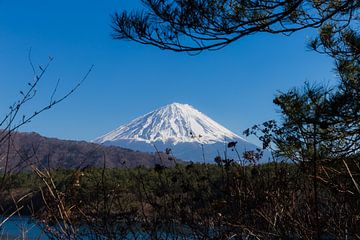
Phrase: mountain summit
(189,133)
(174,123)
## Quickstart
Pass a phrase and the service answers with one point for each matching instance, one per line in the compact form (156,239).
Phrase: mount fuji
(190,134)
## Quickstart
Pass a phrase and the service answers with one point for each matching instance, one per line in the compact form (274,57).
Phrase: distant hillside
(32,148)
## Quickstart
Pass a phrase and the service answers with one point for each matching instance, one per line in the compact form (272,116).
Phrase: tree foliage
(195,25)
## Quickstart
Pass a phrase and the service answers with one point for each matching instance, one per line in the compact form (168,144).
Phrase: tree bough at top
(196,25)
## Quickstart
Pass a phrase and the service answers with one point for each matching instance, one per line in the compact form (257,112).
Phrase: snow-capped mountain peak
(173,123)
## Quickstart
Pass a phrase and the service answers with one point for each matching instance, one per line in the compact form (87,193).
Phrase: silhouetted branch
(196,25)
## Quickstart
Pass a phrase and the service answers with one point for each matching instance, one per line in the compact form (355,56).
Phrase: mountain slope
(189,133)
(175,123)
(32,149)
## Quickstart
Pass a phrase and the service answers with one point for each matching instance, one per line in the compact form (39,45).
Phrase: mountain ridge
(33,149)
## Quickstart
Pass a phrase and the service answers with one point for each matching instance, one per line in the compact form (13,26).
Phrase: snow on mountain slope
(174,123)
(189,133)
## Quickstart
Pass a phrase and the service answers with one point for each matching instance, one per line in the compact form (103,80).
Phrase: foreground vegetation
(223,201)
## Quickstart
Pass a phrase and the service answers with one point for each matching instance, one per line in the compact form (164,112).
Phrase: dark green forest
(195,201)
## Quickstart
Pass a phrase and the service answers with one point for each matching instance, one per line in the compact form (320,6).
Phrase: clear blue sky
(234,86)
